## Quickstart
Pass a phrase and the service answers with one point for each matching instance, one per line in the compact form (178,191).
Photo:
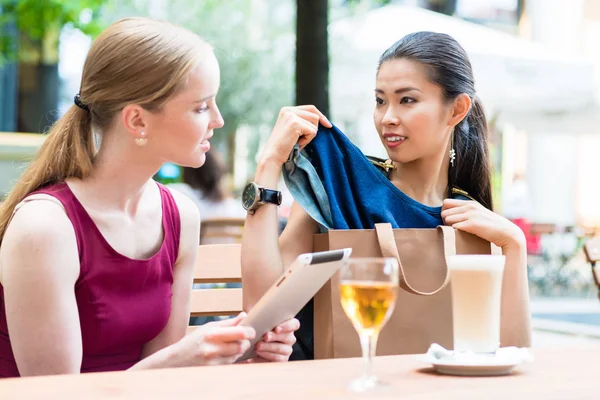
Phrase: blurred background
(536,65)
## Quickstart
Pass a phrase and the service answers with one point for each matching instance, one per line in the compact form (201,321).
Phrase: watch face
(249,196)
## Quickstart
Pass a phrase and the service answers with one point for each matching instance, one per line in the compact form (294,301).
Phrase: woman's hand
(472,217)
(214,343)
(277,344)
(294,125)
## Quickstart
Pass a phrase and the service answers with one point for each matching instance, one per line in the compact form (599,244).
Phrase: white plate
(502,363)
(451,367)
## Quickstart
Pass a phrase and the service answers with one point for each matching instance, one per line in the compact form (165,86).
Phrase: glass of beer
(476,285)
(368,290)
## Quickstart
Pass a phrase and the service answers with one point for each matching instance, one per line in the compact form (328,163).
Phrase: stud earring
(452,152)
(141,141)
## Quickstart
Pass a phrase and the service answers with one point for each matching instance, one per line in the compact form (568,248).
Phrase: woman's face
(411,115)
(181,130)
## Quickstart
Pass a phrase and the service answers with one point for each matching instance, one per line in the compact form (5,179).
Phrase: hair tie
(80,103)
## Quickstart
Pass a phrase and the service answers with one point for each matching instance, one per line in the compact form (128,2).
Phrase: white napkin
(503,355)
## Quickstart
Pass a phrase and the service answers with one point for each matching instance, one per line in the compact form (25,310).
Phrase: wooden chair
(592,254)
(217,264)
(222,230)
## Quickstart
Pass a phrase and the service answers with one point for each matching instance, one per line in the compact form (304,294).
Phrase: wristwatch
(255,196)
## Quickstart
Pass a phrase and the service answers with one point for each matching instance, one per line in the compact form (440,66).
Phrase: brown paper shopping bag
(423,312)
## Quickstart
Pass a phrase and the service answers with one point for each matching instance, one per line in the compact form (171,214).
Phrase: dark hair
(208,178)
(449,68)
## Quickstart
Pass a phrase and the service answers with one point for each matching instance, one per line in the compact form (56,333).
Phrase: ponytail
(472,170)
(67,152)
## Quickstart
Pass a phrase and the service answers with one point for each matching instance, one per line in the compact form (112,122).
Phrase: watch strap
(270,196)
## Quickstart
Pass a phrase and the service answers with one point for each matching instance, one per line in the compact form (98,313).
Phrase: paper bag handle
(387,243)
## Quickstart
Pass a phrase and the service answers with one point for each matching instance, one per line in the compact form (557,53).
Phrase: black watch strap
(270,196)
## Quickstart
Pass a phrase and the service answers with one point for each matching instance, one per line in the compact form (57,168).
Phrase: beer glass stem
(368,342)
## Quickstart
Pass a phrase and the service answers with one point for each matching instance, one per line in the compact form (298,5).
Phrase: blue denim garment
(340,188)
(306,188)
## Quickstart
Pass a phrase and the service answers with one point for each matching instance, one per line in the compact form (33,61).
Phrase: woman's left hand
(277,344)
(472,217)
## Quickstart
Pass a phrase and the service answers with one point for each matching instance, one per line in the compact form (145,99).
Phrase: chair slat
(222,230)
(220,222)
(217,302)
(218,263)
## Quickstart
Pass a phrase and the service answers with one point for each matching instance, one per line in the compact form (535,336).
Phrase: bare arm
(515,312)
(39,255)
(261,258)
(263,255)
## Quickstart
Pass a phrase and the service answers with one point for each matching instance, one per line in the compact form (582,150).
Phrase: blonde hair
(134,61)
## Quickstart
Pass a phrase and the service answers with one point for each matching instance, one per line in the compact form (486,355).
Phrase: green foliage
(38,19)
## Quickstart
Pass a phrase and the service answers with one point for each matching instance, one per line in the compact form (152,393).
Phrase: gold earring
(452,152)
(141,141)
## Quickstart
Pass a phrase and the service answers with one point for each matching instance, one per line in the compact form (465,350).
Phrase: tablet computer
(292,291)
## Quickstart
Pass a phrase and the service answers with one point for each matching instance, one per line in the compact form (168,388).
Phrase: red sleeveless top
(123,303)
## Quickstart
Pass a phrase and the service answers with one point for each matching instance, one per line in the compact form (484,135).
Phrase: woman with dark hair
(434,129)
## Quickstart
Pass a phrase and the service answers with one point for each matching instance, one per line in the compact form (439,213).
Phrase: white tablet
(292,291)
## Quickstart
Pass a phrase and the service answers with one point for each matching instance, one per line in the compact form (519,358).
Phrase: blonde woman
(96,258)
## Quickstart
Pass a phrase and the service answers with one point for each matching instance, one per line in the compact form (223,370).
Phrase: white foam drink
(476,285)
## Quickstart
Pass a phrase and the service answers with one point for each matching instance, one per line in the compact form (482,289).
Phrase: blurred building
(561,159)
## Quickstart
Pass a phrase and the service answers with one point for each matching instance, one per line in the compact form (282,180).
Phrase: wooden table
(555,374)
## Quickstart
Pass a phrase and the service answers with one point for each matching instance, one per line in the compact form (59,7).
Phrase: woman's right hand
(294,125)
(214,343)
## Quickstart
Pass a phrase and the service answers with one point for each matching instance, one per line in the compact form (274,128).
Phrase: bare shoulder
(190,226)
(40,236)
(39,221)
